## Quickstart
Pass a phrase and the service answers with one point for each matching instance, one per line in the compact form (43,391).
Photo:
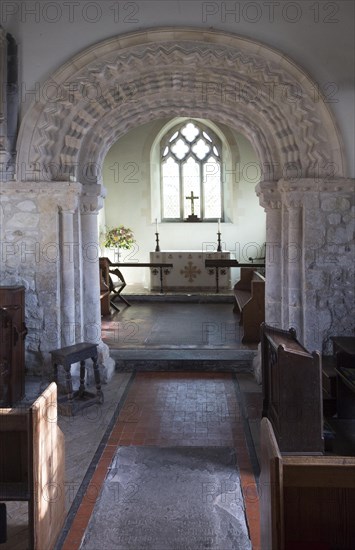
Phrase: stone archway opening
(129,80)
(132,178)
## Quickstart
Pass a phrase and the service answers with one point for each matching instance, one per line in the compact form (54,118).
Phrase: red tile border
(141,421)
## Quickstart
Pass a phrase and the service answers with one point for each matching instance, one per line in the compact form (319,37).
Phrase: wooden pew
(249,293)
(32,466)
(292,391)
(306,502)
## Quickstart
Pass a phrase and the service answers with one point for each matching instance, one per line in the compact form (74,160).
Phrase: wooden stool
(66,357)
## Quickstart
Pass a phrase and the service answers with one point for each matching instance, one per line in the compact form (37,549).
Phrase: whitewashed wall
(128,179)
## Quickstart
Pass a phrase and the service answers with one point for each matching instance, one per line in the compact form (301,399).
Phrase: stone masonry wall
(329,265)
(30,256)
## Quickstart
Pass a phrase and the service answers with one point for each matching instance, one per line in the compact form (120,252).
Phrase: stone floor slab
(183,498)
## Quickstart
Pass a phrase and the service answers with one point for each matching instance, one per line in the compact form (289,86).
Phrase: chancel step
(239,361)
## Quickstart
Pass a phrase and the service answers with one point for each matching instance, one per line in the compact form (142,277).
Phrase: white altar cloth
(189,271)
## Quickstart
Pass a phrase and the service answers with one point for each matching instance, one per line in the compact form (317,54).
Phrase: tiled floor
(181,408)
(164,408)
(172,409)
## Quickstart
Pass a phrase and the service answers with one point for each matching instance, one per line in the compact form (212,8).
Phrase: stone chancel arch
(124,82)
(127,81)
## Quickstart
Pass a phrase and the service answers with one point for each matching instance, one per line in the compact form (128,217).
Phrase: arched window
(191,182)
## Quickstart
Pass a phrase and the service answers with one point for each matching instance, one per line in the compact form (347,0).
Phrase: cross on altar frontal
(192,217)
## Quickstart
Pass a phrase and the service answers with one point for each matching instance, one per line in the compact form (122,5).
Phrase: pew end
(32,466)
(249,294)
(305,501)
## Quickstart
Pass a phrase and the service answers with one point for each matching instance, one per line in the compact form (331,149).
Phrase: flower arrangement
(119,237)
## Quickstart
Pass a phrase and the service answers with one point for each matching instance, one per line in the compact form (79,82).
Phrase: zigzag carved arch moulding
(127,81)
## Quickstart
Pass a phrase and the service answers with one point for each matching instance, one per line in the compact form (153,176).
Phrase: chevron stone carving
(121,83)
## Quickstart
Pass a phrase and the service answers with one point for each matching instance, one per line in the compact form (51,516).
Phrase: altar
(189,272)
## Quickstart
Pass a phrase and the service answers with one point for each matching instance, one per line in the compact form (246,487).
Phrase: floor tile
(177,409)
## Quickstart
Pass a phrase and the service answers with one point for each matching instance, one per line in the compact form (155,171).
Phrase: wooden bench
(306,502)
(32,466)
(249,293)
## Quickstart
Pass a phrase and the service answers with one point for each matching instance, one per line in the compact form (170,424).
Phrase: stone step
(239,361)
(186,298)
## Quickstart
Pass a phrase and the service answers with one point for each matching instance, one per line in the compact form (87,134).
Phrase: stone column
(91,202)
(269,198)
(67,249)
(3,105)
(295,269)
(293,254)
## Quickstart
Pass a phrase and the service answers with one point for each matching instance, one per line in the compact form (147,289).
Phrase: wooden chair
(112,284)
(116,286)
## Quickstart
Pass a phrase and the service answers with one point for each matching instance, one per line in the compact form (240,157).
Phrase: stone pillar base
(106,363)
(256,365)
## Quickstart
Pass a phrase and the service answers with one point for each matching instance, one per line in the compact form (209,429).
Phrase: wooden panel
(306,501)
(246,275)
(13,420)
(13,457)
(14,475)
(332,472)
(292,392)
(270,489)
(254,312)
(48,505)
(12,298)
(249,293)
(320,515)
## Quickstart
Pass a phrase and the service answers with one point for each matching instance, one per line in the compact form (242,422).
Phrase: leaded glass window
(191,161)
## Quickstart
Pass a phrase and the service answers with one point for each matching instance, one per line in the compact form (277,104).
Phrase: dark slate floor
(187,325)
(173,498)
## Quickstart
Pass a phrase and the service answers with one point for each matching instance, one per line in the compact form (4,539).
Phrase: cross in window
(192,198)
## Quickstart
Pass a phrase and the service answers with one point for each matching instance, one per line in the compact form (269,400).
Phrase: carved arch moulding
(132,79)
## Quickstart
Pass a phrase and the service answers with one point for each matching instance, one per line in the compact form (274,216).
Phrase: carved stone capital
(91,200)
(317,185)
(306,192)
(269,195)
(69,196)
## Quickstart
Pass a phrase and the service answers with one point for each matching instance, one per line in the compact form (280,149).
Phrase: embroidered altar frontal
(189,271)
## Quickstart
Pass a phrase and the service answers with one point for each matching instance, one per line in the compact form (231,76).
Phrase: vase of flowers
(119,238)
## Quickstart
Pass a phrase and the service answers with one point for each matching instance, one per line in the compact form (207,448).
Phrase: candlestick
(157,248)
(219,246)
